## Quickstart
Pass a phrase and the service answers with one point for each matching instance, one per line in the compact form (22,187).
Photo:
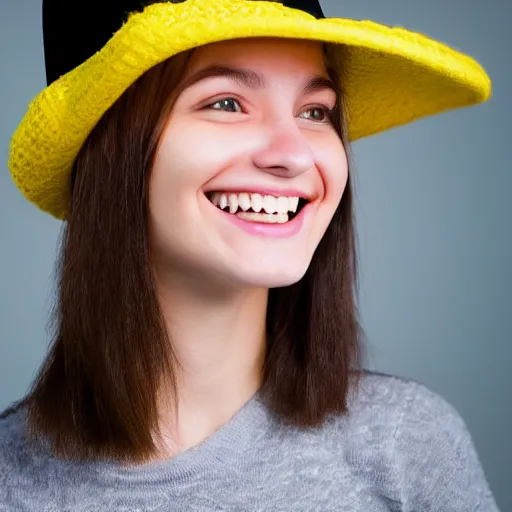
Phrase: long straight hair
(96,393)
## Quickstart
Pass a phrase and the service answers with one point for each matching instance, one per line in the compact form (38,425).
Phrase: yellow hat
(390,76)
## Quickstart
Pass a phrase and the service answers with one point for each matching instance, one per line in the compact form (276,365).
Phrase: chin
(275,278)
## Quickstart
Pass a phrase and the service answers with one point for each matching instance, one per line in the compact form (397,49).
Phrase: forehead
(264,53)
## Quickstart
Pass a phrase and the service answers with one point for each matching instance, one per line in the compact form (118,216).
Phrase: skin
(213,277)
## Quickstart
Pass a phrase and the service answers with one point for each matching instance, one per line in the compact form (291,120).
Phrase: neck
(218,337)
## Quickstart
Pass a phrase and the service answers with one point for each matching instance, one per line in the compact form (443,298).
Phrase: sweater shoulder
(391,400)
(15,451)
(387,414)
(423,439)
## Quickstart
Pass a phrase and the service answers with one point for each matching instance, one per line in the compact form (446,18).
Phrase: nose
(285,151)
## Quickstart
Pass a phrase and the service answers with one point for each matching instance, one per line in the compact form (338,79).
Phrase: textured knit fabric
(401,448)
(390,76)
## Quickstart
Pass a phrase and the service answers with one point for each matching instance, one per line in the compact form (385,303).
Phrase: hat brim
(391,76)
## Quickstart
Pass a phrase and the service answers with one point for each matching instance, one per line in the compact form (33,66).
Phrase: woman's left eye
(318,114)
(226,104)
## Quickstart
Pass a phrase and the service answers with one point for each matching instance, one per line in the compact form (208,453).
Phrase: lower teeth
(268,218)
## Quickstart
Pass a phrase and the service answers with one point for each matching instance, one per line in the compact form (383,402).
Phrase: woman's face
(249,127)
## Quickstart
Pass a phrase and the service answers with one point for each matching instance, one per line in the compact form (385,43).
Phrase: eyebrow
(252,80)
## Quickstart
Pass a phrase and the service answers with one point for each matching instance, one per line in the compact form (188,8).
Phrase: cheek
(333,165)
(180,161)
(182,168)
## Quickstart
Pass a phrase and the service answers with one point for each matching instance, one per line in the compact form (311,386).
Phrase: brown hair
(95,396)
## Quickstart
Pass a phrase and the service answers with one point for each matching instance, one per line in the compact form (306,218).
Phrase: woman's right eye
(227,104)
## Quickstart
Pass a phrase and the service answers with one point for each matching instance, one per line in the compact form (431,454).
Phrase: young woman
(207,353)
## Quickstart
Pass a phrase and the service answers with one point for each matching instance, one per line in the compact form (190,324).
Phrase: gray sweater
(401,448)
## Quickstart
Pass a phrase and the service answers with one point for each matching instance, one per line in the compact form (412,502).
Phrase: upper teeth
(256,202)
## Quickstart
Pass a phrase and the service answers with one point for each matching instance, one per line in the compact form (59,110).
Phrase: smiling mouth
(254,207)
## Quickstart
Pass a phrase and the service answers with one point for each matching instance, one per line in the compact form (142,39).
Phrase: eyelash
(328,113)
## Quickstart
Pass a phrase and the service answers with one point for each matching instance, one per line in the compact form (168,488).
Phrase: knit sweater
(400,448)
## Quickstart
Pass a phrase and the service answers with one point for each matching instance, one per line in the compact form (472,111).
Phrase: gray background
(433,216)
